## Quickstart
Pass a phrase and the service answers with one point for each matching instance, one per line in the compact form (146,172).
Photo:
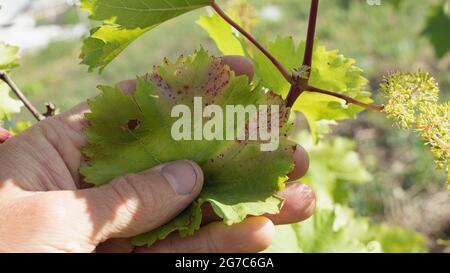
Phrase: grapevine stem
(442,142)
(307,59)
(247,35)
(436,138)
(299,87)
(5,77)
(347,99)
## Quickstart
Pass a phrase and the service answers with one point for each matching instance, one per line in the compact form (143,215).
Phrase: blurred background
(397,183)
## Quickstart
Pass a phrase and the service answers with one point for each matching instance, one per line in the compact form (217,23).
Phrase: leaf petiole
(5,78)
(286,74)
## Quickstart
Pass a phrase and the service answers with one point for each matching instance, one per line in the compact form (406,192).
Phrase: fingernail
(181,175)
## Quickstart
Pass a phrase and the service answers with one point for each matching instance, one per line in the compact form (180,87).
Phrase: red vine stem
(348,99)
(38,116)
(302,84)
(307,59)
(298,88)
(286,74)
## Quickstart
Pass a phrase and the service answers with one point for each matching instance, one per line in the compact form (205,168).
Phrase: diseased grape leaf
(240,180)
(437,28)
(124,22)
(186,224)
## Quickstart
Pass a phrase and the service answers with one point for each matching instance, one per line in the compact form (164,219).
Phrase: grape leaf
(240,180)
(8,57)
(139,13)
(330,71)
(8,60)
(124,22)
(105,43)
(222,34)
(8,105)
(289,55)
(437,27)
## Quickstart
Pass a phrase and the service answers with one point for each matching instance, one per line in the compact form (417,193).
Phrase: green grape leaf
(222,34)
(318,108)
(124,22)
(8,105)
(186,224)
(437,27)
(105,43)
(330,71)
(139,13)
(8,57)
(288,54)
(240,179)
(8,61)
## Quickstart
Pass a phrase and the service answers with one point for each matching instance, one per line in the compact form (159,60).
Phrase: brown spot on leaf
(133,124)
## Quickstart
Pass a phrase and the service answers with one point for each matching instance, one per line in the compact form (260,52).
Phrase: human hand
(45,206)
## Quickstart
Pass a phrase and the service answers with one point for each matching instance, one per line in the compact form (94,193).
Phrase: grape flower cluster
(413,102)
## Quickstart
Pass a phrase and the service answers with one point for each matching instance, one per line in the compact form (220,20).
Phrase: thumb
(136,203)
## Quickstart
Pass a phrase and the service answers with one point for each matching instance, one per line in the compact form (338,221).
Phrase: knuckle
(124,189)
(131,191)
